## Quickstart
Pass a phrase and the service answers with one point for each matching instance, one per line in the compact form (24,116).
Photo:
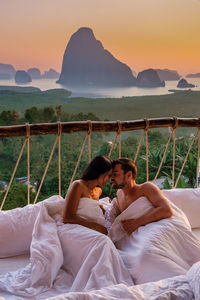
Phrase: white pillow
(16,226)
(188,200)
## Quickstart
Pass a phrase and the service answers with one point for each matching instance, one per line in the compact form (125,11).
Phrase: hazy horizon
(141,33)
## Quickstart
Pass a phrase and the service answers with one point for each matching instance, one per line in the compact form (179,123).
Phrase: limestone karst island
(87,63)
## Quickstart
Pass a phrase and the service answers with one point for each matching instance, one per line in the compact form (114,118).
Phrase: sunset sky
(141,33)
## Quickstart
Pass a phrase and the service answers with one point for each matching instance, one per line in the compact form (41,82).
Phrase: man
(124,179)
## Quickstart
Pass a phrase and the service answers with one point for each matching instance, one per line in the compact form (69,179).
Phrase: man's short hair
(127,165)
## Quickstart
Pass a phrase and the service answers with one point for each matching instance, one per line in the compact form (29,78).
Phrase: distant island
(168,75)
(36,74)
(196,75)
(149,78)
(184,84)
(8,72)
(22,77)
(87,63)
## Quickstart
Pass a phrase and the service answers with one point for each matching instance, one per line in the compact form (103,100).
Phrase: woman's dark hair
(99,165)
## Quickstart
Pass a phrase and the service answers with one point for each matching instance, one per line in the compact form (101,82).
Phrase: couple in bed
(142,238)
(152,235)
(122,173)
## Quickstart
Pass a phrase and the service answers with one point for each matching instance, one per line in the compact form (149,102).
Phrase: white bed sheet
(196,232)
(73,262)
(168,247)
(15,262)
(65,257)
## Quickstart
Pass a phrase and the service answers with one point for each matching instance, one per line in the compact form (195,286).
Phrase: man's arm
(161,209)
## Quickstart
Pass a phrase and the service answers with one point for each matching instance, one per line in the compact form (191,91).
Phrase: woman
(70,257)
(82,206)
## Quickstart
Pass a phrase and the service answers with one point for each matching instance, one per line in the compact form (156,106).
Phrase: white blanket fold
(69,261)
(65,257)
(45,261)
(157,250)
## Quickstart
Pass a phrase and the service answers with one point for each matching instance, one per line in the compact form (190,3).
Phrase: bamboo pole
(97,126)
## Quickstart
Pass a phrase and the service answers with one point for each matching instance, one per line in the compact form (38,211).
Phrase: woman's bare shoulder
(76,185)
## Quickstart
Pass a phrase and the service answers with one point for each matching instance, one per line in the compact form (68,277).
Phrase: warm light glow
(141,33)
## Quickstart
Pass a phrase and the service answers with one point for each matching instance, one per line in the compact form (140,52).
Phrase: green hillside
(181,104)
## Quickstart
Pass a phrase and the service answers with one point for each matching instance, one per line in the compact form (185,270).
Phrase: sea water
(97,92)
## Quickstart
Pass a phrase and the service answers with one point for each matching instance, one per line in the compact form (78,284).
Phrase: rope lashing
(118,135)
(81,153)
(28,161)
(13,174)
(198,158)
(59,156)
(194,138)
(113,144)
(89,139)
(174,149)
(147,154)
(46,169)
(164,154)
(139,146)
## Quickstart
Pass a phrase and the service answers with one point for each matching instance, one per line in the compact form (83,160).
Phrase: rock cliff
(196,75)
(184,84)
(22,77)
(149,79)
(87,63)
(168,75)
(6,71)
(52,74)
(34,73)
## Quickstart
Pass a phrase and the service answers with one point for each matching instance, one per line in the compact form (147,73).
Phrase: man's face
(118,177)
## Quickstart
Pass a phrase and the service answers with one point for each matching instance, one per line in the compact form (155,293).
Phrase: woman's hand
(96,193)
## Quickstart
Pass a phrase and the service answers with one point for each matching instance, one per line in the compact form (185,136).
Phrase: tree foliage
(41,146)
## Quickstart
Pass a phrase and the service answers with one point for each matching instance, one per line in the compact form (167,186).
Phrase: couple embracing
(140,237)
(152,236)
(122,172)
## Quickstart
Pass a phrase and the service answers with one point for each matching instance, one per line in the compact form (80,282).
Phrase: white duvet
(157,250)
(69,261)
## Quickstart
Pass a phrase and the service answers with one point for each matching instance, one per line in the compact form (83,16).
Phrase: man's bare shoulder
(149,187)
(155,195)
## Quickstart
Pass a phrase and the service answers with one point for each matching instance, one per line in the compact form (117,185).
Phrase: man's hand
(130,225)
(102,208)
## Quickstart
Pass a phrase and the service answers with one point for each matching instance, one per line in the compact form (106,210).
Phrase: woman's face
(104,178)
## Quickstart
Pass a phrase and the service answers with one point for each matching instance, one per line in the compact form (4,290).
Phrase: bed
(98,271)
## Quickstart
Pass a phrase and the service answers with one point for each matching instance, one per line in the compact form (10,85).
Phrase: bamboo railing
(97,126)
(60,128)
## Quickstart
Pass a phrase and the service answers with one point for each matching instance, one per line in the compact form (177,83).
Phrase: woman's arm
(89,224)
(73,196)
